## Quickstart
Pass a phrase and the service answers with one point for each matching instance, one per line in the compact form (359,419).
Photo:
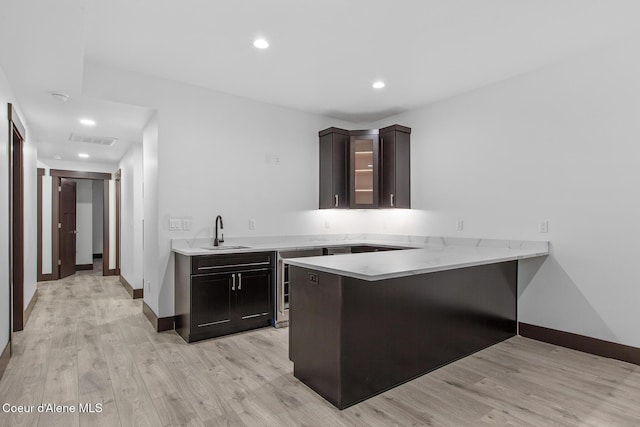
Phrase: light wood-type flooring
(87,341)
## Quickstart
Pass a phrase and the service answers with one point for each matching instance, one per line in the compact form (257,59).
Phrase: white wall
(84,221)
(151,269)
(97,192)
(110,261)
(219,154)
(560,144)
(131,216)
(30,168)
(47,238)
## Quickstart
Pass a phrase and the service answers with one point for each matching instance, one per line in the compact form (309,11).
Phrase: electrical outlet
(327,223)
(252,224)
(276,159)
(543,226)
(148,286)
(460,225)
(175,224)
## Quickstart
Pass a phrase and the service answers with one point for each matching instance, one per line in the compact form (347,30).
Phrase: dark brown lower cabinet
(210,302)
(223,294)
(253,296)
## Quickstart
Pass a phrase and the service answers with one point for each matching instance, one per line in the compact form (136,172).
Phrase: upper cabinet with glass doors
(365,169)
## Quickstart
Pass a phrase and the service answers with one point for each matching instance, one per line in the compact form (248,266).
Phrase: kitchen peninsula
(364,323)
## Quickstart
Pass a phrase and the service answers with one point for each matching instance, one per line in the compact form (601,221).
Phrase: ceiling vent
(99,140)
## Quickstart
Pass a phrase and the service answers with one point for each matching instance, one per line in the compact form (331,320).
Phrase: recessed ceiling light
(378,85)
(261,43)
(87,122)
(57,157)
(83,155)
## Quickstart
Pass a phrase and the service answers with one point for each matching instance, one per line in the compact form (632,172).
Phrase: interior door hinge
(59,262)
(59,225)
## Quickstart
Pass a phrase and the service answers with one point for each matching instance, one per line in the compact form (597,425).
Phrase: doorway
(68,227)
(69,223)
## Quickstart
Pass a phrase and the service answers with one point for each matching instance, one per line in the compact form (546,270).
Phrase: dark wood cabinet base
(222,294)
(351,339)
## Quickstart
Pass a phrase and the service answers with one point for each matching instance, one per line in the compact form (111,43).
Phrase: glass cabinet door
(364,171)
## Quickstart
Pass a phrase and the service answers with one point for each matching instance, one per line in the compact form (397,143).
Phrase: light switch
(460,225)
(186,224)
(175,224)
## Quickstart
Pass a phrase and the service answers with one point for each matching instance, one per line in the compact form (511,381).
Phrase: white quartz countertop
(391,264)
(206,249)
(429,253)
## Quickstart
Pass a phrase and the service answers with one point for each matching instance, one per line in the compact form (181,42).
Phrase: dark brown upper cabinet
(363,169)
(395,172)
(334,152)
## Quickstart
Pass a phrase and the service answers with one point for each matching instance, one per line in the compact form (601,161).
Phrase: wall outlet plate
(252,224)
(543,226)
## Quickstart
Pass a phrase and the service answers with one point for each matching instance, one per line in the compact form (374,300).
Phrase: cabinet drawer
(205,264)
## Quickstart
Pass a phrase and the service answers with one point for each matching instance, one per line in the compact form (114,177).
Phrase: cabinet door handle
(233,282)
(239,281)
(391,199)
(336,196)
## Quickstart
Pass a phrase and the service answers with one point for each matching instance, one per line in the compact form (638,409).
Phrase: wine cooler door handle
(239,281)
(336,196)
(233,282)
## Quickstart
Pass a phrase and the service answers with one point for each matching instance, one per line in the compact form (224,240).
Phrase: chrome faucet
(216,241)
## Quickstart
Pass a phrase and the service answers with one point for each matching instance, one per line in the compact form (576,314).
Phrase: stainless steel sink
(223,247)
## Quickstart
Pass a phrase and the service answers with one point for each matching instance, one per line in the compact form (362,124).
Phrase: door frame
(16,223)
(56,175)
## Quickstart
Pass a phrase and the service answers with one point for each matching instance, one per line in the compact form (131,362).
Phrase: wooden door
(67,217)
(395,165)
(334,152)
(388,169)
(210,302)
(16,220)
(253,296)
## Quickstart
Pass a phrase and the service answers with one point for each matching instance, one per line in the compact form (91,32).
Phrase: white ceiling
(323,58)
(57,120)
